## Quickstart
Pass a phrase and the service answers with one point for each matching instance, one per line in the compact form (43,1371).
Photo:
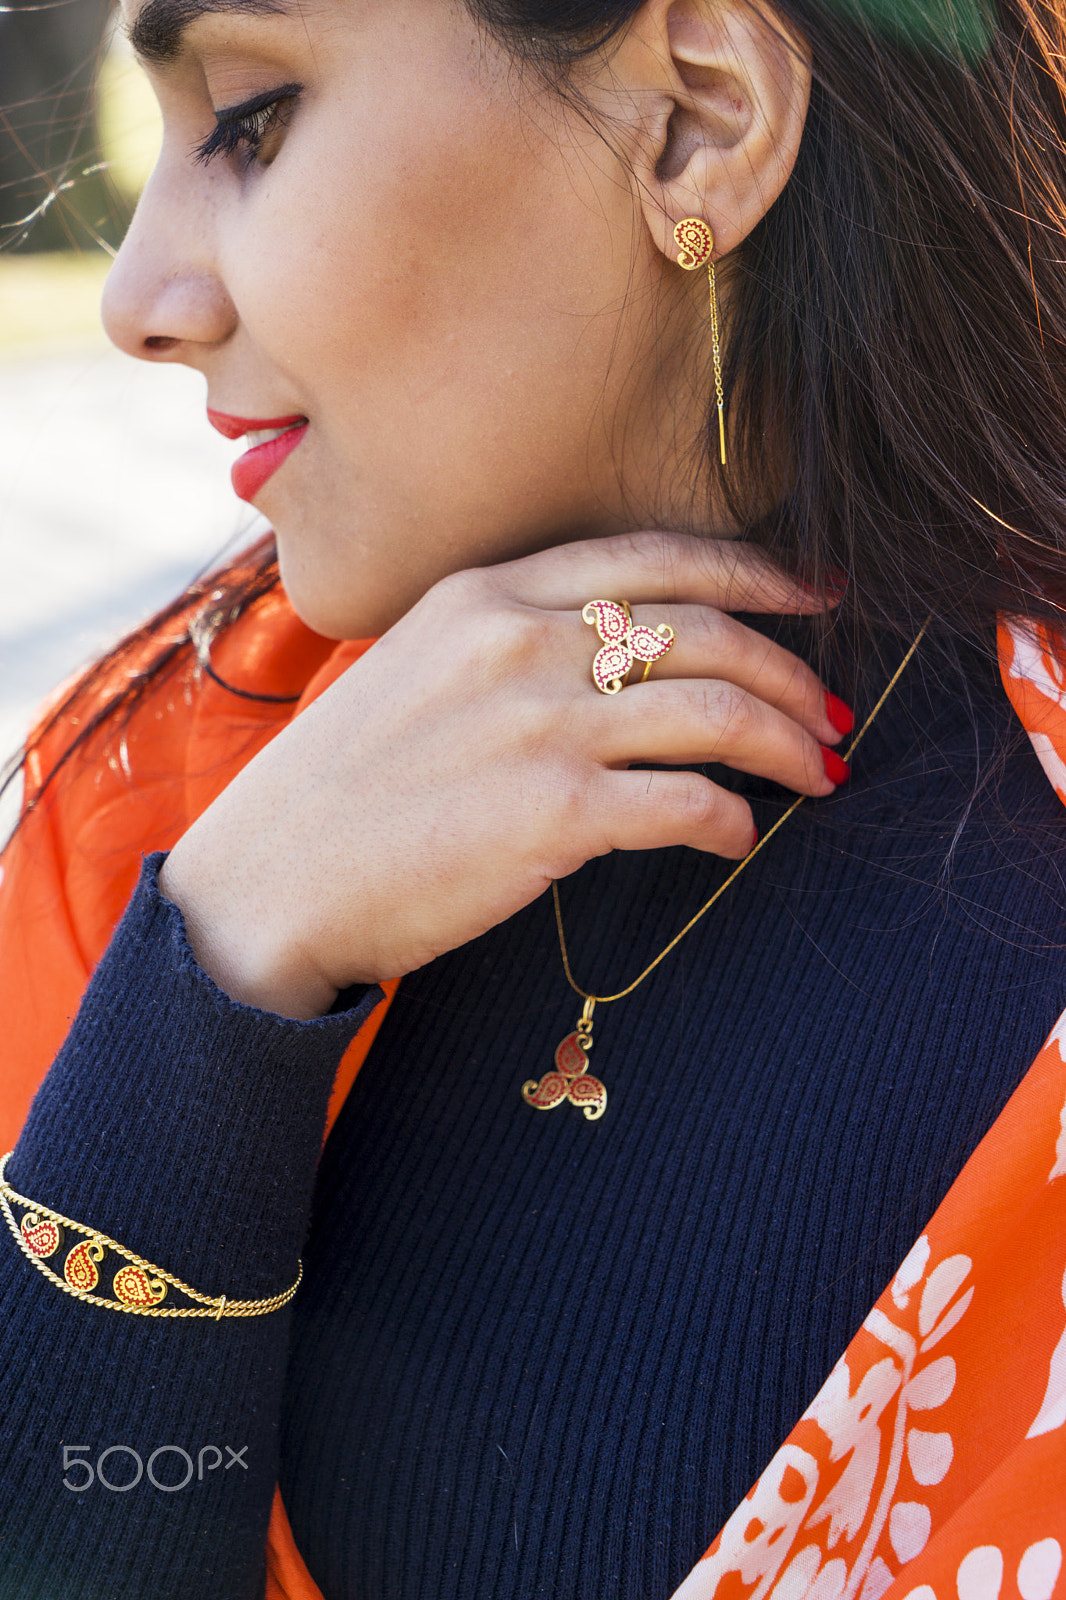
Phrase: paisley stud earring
(695,243)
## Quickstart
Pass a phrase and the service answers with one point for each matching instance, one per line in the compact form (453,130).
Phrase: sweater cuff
(178,1121)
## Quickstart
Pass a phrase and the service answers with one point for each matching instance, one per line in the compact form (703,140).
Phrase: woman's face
(440,267)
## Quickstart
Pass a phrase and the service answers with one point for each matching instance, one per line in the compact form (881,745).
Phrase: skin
(478,311)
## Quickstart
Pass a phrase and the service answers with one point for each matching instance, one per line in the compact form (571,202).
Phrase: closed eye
(243,129)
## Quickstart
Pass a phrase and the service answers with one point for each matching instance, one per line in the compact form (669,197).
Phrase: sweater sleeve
(141,1452)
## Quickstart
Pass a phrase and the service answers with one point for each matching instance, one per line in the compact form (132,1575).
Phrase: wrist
(240,946)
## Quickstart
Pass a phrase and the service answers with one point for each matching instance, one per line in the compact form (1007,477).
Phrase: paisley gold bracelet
(138,1286)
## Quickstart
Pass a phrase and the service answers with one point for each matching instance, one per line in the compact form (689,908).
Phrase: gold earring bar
(716,349)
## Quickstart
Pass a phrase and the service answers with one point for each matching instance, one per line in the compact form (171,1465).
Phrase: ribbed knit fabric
(542,1357)
(188,1128)
(532,1356)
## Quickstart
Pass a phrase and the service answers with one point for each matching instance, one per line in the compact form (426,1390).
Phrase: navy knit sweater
(532,1356)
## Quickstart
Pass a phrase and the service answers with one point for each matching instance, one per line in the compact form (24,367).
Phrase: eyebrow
(156,35)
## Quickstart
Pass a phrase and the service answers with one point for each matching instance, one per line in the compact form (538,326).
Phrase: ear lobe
(740,85)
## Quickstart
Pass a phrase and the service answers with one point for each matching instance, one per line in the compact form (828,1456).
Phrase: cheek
(316,277)
(375,238)
(401,268)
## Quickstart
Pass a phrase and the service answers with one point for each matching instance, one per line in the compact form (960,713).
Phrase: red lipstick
(251,471)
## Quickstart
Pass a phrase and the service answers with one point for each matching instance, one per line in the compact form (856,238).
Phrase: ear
(724,129)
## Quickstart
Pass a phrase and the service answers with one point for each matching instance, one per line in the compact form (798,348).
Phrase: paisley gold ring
(623,643)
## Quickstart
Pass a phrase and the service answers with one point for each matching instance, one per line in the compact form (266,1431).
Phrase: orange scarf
(932,1465)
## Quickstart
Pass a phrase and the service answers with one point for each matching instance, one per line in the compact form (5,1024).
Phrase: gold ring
(623,642)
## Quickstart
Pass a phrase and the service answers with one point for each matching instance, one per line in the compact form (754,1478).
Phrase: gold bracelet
(138,1286)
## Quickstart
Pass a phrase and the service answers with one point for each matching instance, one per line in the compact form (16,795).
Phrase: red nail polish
(836,770)
(832,589)
(754,840)
(841,716)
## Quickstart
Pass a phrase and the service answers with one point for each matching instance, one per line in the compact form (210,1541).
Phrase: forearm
(187,1128)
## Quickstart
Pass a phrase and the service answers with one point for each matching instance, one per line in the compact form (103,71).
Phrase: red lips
(250,471)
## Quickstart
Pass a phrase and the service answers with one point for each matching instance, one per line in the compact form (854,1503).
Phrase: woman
(558,1309)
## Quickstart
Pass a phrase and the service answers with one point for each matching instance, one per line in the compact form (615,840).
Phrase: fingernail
(836,770)
(754,840)
(841,716)
(831,590)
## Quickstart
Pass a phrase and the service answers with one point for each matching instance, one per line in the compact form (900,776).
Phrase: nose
(163,299)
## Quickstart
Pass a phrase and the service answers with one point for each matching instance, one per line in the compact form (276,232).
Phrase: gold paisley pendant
(136,1289)
(571,1081)
(79,1269)
(42,1238)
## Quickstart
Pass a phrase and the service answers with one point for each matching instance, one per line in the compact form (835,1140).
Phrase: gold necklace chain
(571,1080)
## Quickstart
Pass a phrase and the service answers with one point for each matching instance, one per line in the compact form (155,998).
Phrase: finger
(655,567)
(706,720)
(709,643)
(656,810)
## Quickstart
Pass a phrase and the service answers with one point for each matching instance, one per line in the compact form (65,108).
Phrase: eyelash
(240,130)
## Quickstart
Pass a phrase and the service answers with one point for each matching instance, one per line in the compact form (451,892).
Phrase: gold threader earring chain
(695,244)
(570,1078)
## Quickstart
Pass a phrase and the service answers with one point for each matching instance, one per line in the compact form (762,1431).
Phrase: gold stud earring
(695,243)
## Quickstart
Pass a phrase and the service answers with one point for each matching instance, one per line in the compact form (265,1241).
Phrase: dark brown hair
(900,312)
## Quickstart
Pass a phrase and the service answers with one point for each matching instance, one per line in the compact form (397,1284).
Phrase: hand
(468,759)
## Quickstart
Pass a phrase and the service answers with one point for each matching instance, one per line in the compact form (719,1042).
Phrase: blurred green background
(79,131)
